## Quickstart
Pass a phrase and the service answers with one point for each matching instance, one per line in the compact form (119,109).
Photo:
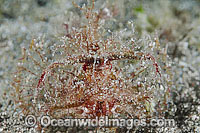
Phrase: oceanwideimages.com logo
(46,121)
